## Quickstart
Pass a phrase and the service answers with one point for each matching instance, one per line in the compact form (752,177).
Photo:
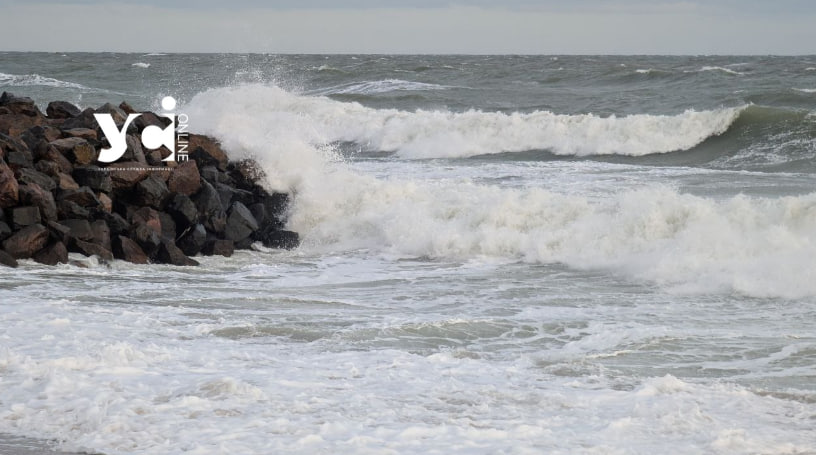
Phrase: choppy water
(501,255)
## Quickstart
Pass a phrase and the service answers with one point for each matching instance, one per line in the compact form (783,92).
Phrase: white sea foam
(141,64)
(716,68)
(761,247)
(24,80)
(371,87)
(806,90)
(811,68)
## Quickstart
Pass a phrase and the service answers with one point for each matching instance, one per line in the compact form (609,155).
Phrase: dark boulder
(70,209)
(5,230)
(25,216)
(205,151)
(168,226)
(240,223)
(29,175)
(20,105)
(183,210)
(17,160)
(169,253)
(76,149)
(90,249)
(279,239)
(7,260)
(219,247)
(79,229)
(61,109)
(210,209)
(84,197)
(134,150)
(126,174)
(9,187)
(53,254)
(185,179)
(33,194)
(146,229)
(193,240)
(27,241)
(85,133)
(48,168)
(151,191)
(101,234)
(66,182)
(128,250)
(117,224)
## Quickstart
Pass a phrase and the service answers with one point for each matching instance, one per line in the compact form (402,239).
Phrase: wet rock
(48,168)
(185,179)
(85,119)
(90,249)
(126,108)
(7,260)
(58,232)
(9,187)
(280,239)
(25,216)
(168,226)
(76,149)
(61,109)
(134,150)
(93,177)
(117,224)
(240,223)
(33,194)
(66,182)
(128,250)
(53,254)
(34,135)
(219,247)
(146,229)
(69,209)
(193,240)
(169,253)
(210,209)
(20,105)
(27,241)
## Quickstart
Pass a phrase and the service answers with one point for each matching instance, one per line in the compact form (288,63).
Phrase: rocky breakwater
(56,198)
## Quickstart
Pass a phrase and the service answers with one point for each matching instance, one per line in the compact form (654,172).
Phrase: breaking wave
(27,80)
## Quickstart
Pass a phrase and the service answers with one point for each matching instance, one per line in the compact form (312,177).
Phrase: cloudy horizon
(413,27)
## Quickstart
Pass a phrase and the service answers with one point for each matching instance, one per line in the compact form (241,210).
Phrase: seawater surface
(501,254)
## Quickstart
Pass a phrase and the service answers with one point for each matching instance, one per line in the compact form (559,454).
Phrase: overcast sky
(413,26)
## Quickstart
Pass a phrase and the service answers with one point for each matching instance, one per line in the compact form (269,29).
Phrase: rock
(27,241)
(14,124)
(5,231)
(229,195)
(66,182)
(9,188)
(119,116)
(32,194)
(134,150)
(146,229)
(210,209)
(117,224)
(53,254)
(212,175)
(59,232)
(127,174)
(258,210)
(280,239)
(150,118)
(25,216)
(168,226)
(48,168)
(126,108)
(85,119)
(128,250)
(90,249)
(169,253)
(69,209)
(83,133)
(193,240)
(76,149)
(32,136)
(17,160)
(46,151)
(79,229)
(185,179)
(93,177)
(101,234)
(240,223)
(61,109)
(29,176)
(247,173)
(105,201)
(84,197)
(206,151)
(7,260)
(183,210)
(151,191)
(218,247)
(20,105)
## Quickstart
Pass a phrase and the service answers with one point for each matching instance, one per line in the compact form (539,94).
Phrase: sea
(500,255)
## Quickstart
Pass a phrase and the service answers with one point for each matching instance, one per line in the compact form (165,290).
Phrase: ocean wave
(27,80)
(372,87)
(141,65)
(716,68)
(753,246)
(155,54)
(443,134)
(806,90)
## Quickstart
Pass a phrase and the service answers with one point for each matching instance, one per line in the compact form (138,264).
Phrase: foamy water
(523,280)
